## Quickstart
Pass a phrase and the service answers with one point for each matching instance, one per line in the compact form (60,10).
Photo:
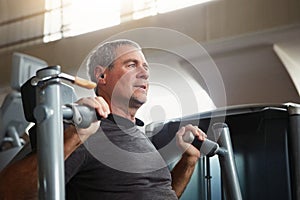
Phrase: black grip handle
(206,147)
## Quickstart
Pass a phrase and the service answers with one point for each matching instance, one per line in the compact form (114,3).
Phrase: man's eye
(132,65)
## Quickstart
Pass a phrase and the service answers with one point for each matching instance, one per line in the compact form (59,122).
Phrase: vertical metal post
(230,179)
(49,118)
(13,133)
(208,178)
(294,149)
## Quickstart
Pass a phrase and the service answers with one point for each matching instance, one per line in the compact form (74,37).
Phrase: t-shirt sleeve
(75,162)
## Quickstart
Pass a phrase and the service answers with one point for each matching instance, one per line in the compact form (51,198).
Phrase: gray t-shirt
(118,162)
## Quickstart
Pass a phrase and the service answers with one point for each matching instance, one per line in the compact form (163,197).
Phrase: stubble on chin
(137,102)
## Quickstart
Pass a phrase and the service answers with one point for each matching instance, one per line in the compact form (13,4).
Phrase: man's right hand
(102,109)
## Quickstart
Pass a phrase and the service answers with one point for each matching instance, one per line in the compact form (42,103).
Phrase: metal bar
(230,181)
(49,117)
(208,178)
(13,133)
(294,149)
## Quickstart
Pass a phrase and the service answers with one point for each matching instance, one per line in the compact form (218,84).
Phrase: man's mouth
(143,87)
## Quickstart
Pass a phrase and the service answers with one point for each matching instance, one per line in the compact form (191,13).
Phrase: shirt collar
(123,121)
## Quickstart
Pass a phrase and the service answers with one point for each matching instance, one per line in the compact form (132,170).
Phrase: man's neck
(128,113)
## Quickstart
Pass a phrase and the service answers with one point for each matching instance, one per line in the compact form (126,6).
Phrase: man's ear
(99,72)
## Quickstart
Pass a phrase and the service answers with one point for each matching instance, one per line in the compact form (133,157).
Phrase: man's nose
(143,72)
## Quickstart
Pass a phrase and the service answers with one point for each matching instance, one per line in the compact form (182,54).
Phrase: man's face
(127,81)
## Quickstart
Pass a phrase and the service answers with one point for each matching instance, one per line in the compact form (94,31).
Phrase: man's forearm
(71,141)
(182,172)
(19,179)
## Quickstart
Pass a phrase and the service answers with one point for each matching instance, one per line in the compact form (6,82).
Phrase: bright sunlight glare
(91,15)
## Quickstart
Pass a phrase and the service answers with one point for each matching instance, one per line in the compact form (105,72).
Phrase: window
(64,18)
(90,15)
(28,22)
(164,6)
(152,7)
(53,20)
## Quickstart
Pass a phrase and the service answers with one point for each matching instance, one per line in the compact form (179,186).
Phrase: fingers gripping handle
(206,147)
(188,137)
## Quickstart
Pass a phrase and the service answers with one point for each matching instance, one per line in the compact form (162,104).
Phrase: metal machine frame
(49,115)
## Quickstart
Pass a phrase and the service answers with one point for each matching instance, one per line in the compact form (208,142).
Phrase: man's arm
(19,179)
(183,170)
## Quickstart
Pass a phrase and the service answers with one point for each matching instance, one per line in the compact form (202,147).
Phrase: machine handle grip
(207,147)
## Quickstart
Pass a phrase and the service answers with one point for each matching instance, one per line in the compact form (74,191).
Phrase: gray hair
(105,55)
